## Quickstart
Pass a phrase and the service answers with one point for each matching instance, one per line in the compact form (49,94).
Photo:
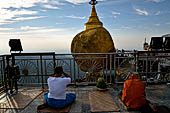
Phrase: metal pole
(147,67)
(54,62)
(103,67)
(42,81)
(106,66)
(110,68)
(115,68)
(70,70)
(4,74)
(7,74)
(13,60)
(78,72)
(74,72)
(45,66)
(38,71)
(137,61)
(1,72)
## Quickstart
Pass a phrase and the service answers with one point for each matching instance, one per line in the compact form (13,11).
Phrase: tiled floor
(157,94)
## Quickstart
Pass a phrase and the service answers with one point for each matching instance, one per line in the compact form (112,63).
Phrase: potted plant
(101,85)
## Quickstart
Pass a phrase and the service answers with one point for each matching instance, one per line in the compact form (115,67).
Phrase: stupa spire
(93,21)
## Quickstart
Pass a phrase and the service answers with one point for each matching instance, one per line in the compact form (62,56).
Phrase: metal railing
(35,68)
(154,66)
(2,79)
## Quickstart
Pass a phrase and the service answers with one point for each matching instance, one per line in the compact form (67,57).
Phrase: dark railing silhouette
(35,68)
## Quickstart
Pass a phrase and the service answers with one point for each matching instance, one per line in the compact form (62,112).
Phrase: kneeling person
(134,96)
(57,98)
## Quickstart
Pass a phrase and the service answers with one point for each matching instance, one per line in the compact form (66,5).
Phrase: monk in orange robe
(134,97)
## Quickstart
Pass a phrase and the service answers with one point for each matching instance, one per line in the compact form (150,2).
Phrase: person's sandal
(42,106)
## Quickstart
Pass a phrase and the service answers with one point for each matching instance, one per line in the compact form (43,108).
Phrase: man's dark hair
(58,69)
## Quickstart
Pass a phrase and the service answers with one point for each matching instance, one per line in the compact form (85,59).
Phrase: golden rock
(95,39)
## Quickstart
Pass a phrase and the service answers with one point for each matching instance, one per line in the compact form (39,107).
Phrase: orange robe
(133,94)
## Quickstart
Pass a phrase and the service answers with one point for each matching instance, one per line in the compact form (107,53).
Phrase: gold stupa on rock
(94,39)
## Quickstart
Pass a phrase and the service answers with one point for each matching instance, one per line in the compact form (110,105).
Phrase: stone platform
(157,94)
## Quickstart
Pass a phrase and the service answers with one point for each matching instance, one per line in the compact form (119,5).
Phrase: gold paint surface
(95,39)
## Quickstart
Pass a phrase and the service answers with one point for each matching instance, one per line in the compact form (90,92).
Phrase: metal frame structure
(36,67)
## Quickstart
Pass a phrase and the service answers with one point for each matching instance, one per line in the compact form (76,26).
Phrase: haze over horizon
(50,25)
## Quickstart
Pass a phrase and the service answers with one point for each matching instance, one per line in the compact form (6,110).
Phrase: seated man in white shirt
(57,98)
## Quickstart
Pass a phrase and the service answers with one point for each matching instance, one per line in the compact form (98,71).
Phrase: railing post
(106,66)
(110,68)
(78,72)
(70,69)
(115,68)
(1,73)
(42,81)
(13,60)
(146,67)
(54,61)
(74,71)
(137,62)
(7,74)
(45,66)
(38,73)
(4,74)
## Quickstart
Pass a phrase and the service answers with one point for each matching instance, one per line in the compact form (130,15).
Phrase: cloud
(28,18)
(6,29)
(157,13)
(141,12)
(20,3)
(168,23)
(76,17)
(46,30)
(124,27)
(11,13)
(50,7)
(55,2)
(157,1)
(34,29)
(77,1)
(115,13)
(7,16)
(156,24)
(80,1)
(30,28)
(13,10)
(2,22)
(43,10)
(33,32)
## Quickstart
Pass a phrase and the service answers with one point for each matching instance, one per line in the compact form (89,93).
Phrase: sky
(51,25)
